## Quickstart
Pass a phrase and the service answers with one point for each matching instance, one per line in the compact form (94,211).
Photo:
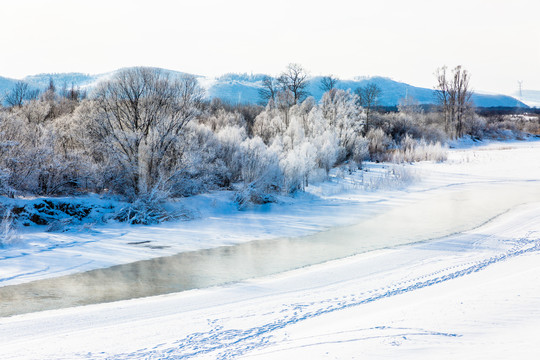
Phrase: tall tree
(454,96)
(295,80)
(368,98)
(140,114)
(20,93)
(269,89)
(328,83)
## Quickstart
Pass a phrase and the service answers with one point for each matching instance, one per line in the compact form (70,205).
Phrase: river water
(432,214)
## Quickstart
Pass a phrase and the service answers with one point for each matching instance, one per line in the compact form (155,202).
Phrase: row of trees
(454,96)
(144,132)
(22,93)
(290,87)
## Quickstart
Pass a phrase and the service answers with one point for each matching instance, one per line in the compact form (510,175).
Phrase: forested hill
(244,88)
(237,88)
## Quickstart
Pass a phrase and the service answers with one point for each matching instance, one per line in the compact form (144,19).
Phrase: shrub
(379,143)
(412,150)
(146,210)
(8,231)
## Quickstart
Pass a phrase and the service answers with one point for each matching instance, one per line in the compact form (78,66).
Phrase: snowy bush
(412,150)
(142,134)
(327,150)
(475,127)
(532,127)
(35,111)
(221,118)
(401,124)
(344,118)
(434,133)
(360,150)
(270,123)
(5,188)
(230,139)
(297,166)
(146,210)
(379,143)
(195,166)
(171,141)
(8,231)
(261,175)
(259,163)
(394,177)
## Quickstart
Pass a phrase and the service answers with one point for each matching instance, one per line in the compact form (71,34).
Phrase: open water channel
(432,214)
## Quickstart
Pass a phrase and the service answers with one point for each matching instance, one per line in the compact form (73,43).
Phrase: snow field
(420,300)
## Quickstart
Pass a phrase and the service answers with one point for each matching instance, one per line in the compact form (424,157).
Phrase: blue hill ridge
(244,88)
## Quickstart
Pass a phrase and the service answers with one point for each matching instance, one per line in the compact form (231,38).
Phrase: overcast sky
(497,41)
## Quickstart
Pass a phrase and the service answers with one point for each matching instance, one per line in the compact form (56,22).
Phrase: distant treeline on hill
(245,88)
(484,111)
(502,110)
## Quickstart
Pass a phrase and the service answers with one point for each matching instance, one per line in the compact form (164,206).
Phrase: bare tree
(269,90)
(328,83)
(462,95)
(20,93)
(442,93)
(140,114)
(74,93)
(454,97)
(295,80)
(368,97)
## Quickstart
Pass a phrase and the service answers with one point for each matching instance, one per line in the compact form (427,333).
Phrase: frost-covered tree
(368,97)
(325,140)
(38,159)
(298,164)
(348,120)
(196,165)
(261,173)
(379,142)
(139,115)
(260,164)
(222,118)
(230,150)
(269,124)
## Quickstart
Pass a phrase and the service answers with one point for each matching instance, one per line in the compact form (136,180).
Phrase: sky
(496,41)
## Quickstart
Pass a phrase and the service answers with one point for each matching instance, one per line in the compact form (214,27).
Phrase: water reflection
(433,216)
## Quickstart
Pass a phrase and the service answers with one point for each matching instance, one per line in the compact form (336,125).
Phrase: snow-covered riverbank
(470,295)
(344,200)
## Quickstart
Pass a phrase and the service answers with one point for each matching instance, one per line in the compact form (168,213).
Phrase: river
(431,214)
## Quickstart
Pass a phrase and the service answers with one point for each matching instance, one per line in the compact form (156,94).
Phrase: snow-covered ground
(474,293)
(215,220)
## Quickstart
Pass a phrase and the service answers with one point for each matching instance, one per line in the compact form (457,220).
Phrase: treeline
(146,136)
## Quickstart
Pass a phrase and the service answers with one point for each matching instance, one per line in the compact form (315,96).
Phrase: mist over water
(433,215)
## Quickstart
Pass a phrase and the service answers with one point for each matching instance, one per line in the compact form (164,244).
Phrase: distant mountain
(244,88)
(41,81)
(529,97)
(6,84)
